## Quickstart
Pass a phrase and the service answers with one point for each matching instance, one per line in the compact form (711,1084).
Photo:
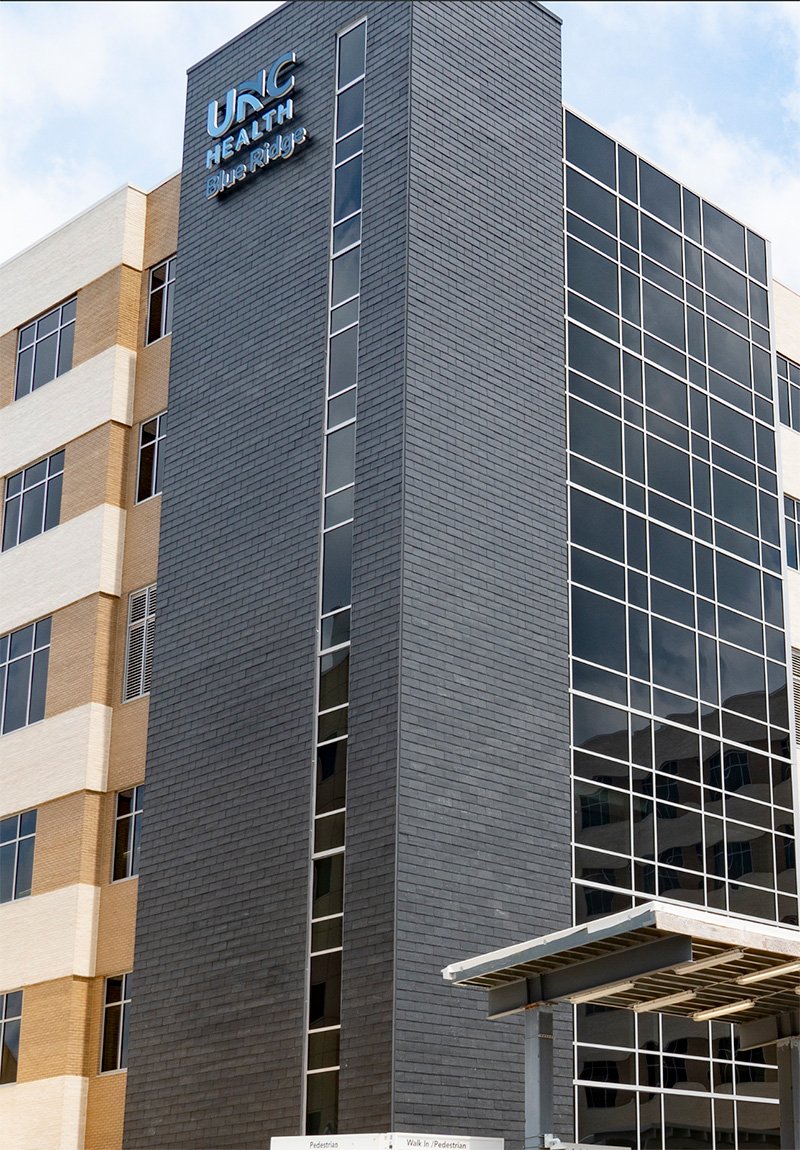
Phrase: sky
(93,98)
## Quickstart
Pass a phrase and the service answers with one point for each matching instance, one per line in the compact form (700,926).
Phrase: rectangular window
(24,656)
(789,392)
(10,1023)
(17,838)
(44,349)
(116,1017)
(127,832)
(159,309)
(151,457)
(32,500)
(139,646)
(791,513)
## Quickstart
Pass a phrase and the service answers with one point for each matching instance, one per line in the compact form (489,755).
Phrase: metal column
(538,1076)
(789,1092)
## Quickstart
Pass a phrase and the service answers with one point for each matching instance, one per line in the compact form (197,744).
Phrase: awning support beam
(557,985)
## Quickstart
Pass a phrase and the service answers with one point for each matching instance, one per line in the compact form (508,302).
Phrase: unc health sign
(253,126)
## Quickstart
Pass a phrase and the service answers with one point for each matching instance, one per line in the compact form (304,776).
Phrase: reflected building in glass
(486,630)
(681,757)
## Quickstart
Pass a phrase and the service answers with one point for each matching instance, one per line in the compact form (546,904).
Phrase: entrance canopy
(658,957)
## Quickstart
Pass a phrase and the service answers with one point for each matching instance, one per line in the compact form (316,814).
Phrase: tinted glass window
(660,195)
(668,470)
(598,630)
(591,150)
(596,525)
(674,657)
(595,435)
(728,352)
(723,236)
(735,502)
(592,275)
(663,315)
(593,356)
(336,571)
(590,200)
(661,244)
(731,429)
(670,556)
(347,194)
(725,283)
(351,54)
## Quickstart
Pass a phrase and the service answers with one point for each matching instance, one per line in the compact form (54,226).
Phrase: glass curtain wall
(681,745)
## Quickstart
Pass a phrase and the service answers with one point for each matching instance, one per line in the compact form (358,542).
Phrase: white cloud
(92,97)
(735,172)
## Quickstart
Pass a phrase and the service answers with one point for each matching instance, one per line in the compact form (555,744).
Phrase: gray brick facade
(458,782)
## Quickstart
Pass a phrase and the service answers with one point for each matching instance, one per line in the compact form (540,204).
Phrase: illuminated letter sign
(242,120)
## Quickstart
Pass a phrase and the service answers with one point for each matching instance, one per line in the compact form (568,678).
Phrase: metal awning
(657,957)
(660,958)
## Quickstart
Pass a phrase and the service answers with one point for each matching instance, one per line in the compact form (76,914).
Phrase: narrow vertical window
(333,663)
(116,1018)
(151,457)
(790,509)
(127,832)
(10,1025)
(159,304)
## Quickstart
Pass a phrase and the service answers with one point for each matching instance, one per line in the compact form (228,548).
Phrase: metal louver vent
(139,646)
(796,689)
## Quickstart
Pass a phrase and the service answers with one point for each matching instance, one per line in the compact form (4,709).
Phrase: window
(791,512)
(17,838)
(139,647)
(45,348)
(32,500)
(159,311)
(601,1070)
(116,1017)
(10,1022)
(151,457)
(594,809)
(127,832)
(24,656)
(789,392)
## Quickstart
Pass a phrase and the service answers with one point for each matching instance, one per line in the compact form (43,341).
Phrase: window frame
(52,482)
(157,445)
(166,293)
(791,520)
(144,623)
(40,643)
(21,834)
(9,1015)
(122,1005)
(63,325)
(128,855)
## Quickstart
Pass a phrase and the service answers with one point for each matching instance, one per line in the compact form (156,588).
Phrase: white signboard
(393,1141)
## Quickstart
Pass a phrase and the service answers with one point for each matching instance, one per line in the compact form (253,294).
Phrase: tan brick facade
(82,654)
(107,314)
(56,1019)
(128,743)
(68,832)
(105,1111)
(161,229)
(116,926)
(63,1019)
(8,366)
(95,470)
